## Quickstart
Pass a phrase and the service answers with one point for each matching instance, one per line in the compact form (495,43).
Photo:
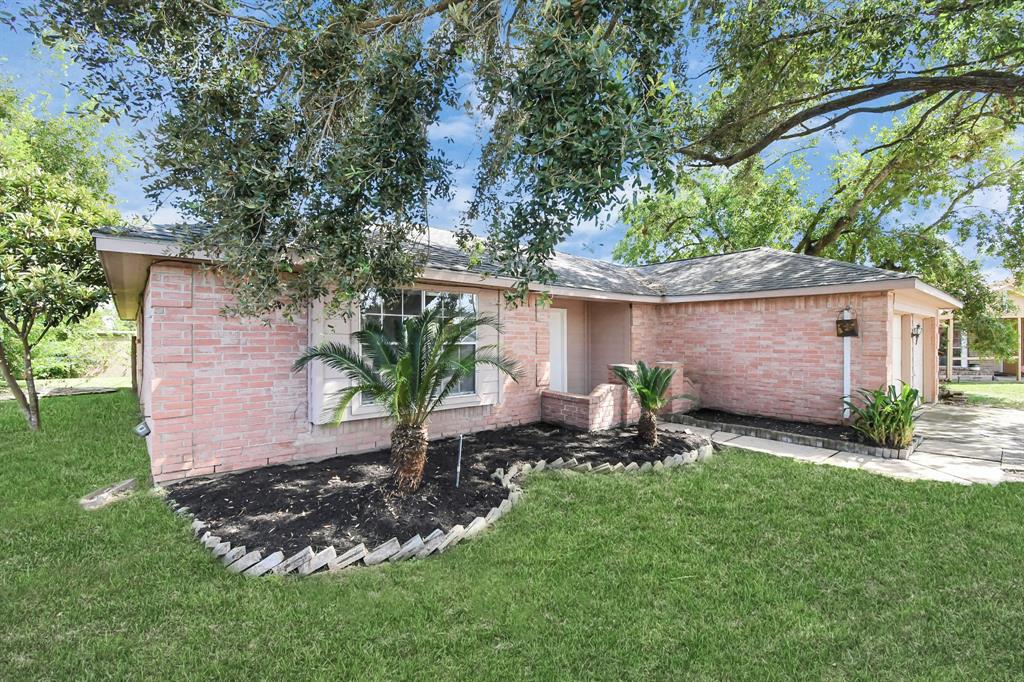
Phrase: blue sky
(36,72)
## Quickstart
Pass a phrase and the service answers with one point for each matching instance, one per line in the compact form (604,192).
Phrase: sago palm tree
(409,377)
(650,386)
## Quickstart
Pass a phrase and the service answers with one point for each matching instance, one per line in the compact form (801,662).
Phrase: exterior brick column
(170,379)
(630,407)
(676,389)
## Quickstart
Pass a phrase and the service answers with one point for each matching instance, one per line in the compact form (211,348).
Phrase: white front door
(558,348)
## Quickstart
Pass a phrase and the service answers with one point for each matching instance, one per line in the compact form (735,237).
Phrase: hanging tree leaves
(297,129)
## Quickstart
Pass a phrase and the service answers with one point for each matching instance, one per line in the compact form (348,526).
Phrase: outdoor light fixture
(846,325)
(915,333)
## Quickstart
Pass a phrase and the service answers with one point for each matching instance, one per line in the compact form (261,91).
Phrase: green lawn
(745,567)
(45,385)
(1000,393)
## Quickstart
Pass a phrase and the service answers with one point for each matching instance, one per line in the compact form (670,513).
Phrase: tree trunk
(647,427)
(409,456)
(34,422)
(12,385)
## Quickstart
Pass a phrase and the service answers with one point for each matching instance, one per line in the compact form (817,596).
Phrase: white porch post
(949,349)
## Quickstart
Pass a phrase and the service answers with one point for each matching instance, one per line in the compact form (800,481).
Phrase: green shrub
(409,374)
(886,417)
(88,348)
(649,384)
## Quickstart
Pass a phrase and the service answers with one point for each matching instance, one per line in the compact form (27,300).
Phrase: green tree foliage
(298,129)
(711,212)
(53,190)
(83,349)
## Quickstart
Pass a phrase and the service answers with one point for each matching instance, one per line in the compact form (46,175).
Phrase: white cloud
(995,274)
(162,215)
(457,129)
(448,214)
(991,199)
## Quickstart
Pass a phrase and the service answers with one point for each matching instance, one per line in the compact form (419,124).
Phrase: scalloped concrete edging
(306,561)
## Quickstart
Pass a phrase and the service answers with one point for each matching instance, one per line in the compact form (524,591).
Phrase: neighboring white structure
(960,361)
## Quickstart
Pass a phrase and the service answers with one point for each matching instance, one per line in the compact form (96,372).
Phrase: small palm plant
(409,377)
(650,387)
(886,417)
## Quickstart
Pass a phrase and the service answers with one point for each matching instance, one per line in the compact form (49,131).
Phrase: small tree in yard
(409,377)
(649,385)
(53,191)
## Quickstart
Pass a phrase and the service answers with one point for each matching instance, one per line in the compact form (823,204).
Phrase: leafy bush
(409,376)
(88,348)
(650,386)
(886,417)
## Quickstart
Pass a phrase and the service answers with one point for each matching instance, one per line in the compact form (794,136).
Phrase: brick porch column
(676,389)
(170,377)
(630,413)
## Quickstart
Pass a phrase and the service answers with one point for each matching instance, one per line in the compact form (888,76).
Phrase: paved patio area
(964,445)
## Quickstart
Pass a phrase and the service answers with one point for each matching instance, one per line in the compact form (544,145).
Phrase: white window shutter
(488,379)
(324,381)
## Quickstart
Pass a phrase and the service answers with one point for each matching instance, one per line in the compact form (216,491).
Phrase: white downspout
(846,367)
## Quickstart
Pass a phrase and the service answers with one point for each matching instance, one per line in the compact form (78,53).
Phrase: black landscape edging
(306,561)
(796,438)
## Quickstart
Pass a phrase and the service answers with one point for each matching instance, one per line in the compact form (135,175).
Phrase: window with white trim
(388,314)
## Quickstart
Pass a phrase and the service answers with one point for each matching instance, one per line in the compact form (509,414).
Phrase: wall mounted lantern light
(846,325)
(915,333)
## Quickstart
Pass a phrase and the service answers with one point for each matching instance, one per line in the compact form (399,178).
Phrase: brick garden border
(797,438)
(306,561)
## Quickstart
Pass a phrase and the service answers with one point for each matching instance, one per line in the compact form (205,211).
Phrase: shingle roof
(170,232)
(749,271)
(570,271)
(759,269)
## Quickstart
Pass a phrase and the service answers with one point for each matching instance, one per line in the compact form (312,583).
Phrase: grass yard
(999,393)
(745,567)
(44,386)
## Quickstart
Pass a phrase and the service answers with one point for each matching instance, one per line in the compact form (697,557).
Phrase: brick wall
(219,394)
(604,407)
(777,357)
(569,409)
(611,404)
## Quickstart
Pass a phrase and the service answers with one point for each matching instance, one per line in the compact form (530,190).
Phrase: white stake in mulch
(458,463)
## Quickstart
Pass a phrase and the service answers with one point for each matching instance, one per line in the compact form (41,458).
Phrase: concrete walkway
(964,445)
(993,434)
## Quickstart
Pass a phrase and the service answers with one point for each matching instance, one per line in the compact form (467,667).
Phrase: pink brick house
(751,332)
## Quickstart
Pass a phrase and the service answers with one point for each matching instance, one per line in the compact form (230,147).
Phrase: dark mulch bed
(833,431)
(346,500)
(953,397)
